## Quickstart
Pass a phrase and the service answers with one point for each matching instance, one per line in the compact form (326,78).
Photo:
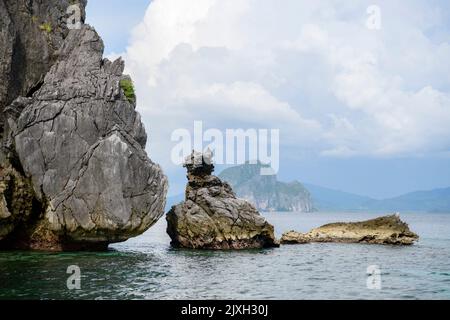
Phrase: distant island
(269,194)
(266,193)
(325,199)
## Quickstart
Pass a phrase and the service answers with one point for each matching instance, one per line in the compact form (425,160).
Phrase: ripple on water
(147,268)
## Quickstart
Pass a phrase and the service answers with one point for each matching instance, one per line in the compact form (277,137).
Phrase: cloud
(310,68)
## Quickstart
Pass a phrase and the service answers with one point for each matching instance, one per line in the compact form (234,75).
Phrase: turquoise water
(147,268)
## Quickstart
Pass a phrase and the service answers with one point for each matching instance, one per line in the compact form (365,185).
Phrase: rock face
(74,173)
(384,230)
(211,217)
(31,32)
(266,193)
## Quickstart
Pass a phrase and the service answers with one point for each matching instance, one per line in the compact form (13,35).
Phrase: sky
(361,97)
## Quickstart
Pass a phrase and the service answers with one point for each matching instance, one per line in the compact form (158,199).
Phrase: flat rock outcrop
(212,217)
(74,173)
(383,230)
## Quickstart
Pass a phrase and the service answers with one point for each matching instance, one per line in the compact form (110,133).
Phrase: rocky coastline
(389,230)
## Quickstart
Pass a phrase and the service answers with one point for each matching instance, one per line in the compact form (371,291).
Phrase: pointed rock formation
(211,217)
(74,153)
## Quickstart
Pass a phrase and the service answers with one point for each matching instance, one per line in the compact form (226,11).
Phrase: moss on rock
(128,89)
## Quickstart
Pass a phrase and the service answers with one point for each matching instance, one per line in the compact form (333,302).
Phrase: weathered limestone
(212,217)
(74,173)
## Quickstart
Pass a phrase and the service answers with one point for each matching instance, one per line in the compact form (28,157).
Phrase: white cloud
(310,68)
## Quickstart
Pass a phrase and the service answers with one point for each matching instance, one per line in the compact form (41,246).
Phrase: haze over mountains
(269,194)
(325,199)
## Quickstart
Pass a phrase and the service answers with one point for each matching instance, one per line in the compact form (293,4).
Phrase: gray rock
(77,146)
(31,32)
(82,143)
(27,51)
(212,217)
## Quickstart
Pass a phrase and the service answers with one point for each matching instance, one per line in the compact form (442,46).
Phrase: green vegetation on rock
(46,26)
(128,89)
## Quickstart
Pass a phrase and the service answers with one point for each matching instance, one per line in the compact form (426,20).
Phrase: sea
(146,267)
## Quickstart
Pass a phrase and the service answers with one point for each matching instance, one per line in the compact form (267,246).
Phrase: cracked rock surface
(212,217)
(76,149)
(27,49)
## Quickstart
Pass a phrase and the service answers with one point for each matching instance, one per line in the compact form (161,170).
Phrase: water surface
(147,268)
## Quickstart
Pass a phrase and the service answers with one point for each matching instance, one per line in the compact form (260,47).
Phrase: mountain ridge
(328,199)
(248,181)
(266,192)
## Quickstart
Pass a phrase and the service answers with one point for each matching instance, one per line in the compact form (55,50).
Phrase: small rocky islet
(384,230)
(212,217)
(74,174)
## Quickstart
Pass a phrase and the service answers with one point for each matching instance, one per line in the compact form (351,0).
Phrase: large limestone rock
(31,32)
(384,230)
(74,152)
(212,217)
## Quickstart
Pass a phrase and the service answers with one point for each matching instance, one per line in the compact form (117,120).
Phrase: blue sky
(359,110)
(114,20)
